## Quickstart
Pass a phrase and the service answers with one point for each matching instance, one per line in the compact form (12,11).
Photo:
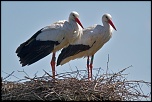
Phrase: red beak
(78,21)
(111,23)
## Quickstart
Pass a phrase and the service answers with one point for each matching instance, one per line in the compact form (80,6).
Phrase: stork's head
(108,18)
(75,16)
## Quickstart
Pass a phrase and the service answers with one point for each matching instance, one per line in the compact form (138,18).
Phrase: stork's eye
(106,17)
(73,15)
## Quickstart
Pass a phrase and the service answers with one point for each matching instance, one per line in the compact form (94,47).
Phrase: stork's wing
(71,50)
(41,43)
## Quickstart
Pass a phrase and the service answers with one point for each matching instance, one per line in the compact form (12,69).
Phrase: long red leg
(53,65)
(88,66)
(91,66)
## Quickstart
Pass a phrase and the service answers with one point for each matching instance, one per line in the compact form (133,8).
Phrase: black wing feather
(70,51)
(25,43)
(36,51)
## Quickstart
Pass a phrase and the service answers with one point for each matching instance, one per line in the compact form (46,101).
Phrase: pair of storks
(70,35)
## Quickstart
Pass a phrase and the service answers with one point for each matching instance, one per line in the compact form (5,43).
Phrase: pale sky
(129,45)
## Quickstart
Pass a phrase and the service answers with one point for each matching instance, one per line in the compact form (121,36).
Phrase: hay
(74,86)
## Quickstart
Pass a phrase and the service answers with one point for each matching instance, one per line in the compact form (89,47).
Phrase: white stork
(50,39)
(91,41)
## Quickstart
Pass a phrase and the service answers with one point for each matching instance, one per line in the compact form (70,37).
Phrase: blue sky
(129,45)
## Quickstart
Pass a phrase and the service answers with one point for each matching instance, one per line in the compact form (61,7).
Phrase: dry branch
(74,86)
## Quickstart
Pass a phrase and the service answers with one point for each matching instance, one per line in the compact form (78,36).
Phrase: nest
(74,86)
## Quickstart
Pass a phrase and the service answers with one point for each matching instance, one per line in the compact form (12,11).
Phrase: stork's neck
(74,25)
(75,31)
(107,27)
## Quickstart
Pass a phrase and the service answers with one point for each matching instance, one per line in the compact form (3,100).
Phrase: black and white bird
(50,39)
(92,39)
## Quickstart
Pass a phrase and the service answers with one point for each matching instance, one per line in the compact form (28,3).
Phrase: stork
(91,41)
(50,39)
